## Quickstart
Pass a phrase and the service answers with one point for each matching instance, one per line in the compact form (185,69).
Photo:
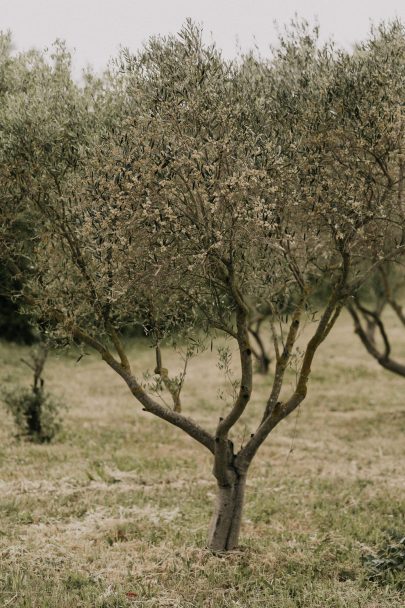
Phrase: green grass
(115,512)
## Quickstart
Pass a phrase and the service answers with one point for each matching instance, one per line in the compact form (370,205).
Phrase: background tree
(46,118)
(385,285)
(370,165)
(13,324)
(36,413)
(215,189)
(367,311)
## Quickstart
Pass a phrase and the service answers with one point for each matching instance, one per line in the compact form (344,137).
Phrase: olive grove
(185,192)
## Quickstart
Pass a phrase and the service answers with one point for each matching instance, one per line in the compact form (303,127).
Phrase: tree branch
(119,347)
(182,422)
(245,388)
(382,358)
(276,410)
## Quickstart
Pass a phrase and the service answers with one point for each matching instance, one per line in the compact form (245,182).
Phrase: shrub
(36,413)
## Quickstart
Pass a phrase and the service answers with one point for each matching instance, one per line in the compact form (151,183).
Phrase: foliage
(387,564)
(36,414)
(14,325)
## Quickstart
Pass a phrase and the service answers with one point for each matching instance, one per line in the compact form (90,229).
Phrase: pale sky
(95,29)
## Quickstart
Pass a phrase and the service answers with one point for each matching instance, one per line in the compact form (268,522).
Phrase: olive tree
(384,287)
(219,186)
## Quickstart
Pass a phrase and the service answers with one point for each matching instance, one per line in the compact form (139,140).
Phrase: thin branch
(275,340)
(378,322)
(119,347)
(278,410)
(171,386)
(283,360)
(245,388)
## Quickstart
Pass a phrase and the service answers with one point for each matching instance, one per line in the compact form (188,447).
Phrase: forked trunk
(227,518)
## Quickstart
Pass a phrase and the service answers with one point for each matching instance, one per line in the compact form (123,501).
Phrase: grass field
(115,512)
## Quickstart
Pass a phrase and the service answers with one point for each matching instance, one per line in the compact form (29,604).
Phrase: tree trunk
(33,415)
(227,518)
(263,364)
(262,358)
(370,331)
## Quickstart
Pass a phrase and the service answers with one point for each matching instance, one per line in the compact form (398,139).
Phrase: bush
(36,414)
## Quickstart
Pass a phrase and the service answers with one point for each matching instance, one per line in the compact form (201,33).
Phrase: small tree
(35,413)
(219,187)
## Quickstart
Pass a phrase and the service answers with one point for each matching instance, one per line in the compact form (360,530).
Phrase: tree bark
(226,520)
